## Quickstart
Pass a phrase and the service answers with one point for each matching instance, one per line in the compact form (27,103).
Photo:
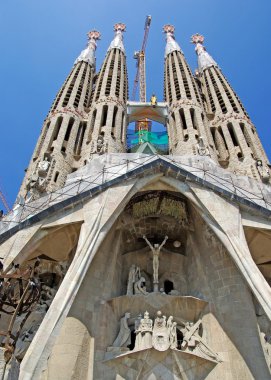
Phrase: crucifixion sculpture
(155,248)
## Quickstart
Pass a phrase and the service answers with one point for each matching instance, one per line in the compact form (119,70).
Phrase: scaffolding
(109,170)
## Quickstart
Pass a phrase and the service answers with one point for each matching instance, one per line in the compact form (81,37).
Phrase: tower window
(104,116)
(122,125)
(79,138)
(42,139)
(92,123)
(70,88)
(183,118)
(193,118)
(114,116)
(232,133)
(56,176)
(57,127)
(69,128)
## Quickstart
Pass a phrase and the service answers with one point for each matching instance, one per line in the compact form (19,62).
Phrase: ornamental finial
(88,54)
(94,35)
(169,29)
(204,58)
(117,42)
(197,39)
(120,26)
(171,45)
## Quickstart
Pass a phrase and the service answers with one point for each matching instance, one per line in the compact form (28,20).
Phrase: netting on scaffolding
(110,169)
(158,139)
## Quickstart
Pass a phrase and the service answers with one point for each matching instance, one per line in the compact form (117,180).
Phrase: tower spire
(186,123)
(59,146)
(204,58)
(236,141)
(106,127)
(117,42)
(88,54)
(171,44)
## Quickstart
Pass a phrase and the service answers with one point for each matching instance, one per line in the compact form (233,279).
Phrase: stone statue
(124,336)
(173,336)
(160,334)
(144,333)
(36,185)
(156,248)
(192,341)
(263,170)
(138,321)
(201,147)
(134,276)
(43,167)
(100,145)
(139,288)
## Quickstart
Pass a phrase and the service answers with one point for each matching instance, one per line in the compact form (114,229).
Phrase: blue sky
(40,40)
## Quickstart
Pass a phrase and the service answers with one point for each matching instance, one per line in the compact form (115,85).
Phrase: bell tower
(106,128)
(63,129)
(236,140)
(187,124)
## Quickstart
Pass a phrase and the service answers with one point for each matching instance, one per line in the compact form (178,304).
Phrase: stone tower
(62,134)
(140,266)
(106,129)
(237,143)
(187,123)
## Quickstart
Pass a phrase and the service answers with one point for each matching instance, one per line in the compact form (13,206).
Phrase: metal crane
(141,72)
(4,201)
(144,125)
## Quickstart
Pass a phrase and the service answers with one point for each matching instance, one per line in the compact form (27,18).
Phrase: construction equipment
(4,201)
(143,125)
(141,70)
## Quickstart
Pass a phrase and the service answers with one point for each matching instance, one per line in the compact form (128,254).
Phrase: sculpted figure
(134,276)
(100,145)
(201,148)
(263,170)
(160,320)
(194,342)
(43,167)
(173,336)
(160,334)
(36,185)
(144,333)
(139,288)
(156,248)
(124,336)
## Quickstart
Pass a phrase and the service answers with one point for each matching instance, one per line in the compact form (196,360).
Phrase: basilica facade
(129,259)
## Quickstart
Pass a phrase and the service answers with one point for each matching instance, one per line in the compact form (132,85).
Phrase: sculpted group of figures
(161,334)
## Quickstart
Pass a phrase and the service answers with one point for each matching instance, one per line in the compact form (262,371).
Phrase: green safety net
(155,138)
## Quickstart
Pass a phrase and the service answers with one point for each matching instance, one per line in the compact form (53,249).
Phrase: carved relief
(202,149)
(263,170)
(161,334)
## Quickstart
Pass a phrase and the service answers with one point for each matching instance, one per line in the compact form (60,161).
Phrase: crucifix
(156,248)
